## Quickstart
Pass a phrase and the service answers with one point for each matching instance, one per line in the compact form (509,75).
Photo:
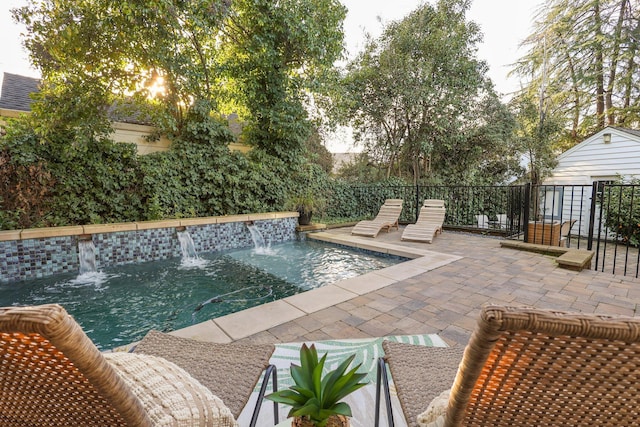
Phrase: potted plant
(305,204)
(315,399)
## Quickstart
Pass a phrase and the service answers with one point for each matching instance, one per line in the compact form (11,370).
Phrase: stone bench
(575,259)
(572,259)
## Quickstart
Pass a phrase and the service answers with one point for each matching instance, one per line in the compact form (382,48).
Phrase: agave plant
(315,397)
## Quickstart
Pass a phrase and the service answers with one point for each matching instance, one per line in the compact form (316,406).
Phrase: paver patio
(447,299)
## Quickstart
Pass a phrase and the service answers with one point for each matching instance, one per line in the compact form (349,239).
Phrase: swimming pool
(120,305)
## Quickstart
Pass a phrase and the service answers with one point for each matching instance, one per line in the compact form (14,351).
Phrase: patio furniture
(522,367)
(428,224)
(386,219)
(231,371)
(433,203)
(544,233)
(51,374)
(503,221)
(482,221)
(565,229)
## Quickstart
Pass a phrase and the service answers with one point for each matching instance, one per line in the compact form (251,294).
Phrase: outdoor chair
(51,374)
(433,203)
(429,222)
(521,367)
(503,221)
(482,221)
(386,219)
(565,229)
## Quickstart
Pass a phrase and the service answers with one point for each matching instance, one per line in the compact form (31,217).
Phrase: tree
(585,54)
(318,153)
(621,216)
(255,56)
(533,136)
(275,54)
(91,53)
(421,102)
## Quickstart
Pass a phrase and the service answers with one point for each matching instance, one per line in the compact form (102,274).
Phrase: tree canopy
(584,58)
(421,102)
(256,57)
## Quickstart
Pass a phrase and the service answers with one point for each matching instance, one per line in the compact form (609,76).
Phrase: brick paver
(447,300)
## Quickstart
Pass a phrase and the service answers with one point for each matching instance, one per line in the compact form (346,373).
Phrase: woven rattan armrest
(51,374)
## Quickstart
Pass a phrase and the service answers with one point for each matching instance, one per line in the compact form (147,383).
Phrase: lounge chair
(386,219)
(433,203)
(522,367)
(51,374)
(429,222)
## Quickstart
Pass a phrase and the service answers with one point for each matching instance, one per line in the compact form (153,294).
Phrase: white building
(605,156)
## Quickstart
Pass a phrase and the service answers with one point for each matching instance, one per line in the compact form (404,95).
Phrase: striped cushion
(170,395)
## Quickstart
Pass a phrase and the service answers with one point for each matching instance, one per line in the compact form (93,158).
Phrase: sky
(504,23)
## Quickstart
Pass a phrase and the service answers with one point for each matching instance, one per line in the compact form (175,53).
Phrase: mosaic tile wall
(36,258)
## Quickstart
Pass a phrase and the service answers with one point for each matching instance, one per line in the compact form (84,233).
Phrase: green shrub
(101,183)
(621,210)
(25,184)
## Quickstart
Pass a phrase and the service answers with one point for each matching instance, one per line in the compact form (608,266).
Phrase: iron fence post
(592,215)
(417,202)
(527,205)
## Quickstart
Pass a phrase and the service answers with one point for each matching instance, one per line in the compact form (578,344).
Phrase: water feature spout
(187,246)
(87,256)
(258,240)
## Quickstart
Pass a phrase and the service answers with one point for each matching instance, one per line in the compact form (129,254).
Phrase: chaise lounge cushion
(216,366)
(408,363)
(169,394)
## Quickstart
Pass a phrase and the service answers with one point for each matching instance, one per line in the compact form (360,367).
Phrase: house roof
(629,131)
(15,92)
(632,135)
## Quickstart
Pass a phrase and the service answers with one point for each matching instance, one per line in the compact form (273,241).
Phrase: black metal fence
(559,215)
(467,206)
(615,228)
(604,217)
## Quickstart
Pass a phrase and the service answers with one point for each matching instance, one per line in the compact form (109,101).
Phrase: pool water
(119,305)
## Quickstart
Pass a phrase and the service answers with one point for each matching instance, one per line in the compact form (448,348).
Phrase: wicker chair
(523,367)
(51,374)
(230,371)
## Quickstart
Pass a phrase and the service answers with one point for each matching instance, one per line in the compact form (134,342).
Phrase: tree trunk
(599,66)
(613,66)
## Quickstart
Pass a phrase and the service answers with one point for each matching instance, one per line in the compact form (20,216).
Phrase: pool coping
(248,322)
(78,230)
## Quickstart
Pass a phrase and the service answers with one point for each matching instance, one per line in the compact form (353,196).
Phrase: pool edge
(245,323)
